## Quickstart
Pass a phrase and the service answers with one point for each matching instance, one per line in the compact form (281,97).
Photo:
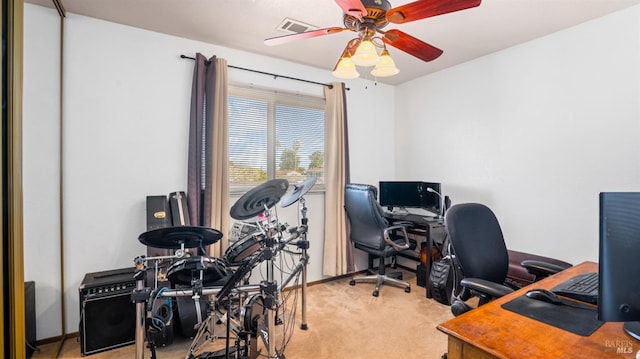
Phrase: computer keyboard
(582,287)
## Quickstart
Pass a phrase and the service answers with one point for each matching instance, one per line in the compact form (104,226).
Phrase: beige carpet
(343,322)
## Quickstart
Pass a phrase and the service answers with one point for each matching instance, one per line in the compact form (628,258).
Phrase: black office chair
(370,232)
(480,253)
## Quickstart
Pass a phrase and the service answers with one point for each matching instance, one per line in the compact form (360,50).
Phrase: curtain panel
(207,172)
(338,250)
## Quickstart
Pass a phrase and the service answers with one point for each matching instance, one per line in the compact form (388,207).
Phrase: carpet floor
(343,322)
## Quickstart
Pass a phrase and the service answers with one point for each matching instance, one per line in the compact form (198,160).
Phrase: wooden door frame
(12,325)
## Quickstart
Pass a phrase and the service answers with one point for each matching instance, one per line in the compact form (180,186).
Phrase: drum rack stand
(268,289)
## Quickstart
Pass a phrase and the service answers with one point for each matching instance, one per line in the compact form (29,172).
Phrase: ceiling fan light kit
(368,17)
(366,54)
(346,69)
(386,66)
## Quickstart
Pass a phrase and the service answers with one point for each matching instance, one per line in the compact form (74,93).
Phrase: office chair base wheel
(407,289)
(375,293)
(352,282)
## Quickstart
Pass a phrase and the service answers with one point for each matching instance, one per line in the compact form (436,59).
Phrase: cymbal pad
(258,199)
(297,192)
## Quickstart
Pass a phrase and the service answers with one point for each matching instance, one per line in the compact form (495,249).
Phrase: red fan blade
(411,45)
(427,8)
(279,40)
(353,8)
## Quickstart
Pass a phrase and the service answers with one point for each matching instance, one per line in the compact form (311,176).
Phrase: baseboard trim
(56,339)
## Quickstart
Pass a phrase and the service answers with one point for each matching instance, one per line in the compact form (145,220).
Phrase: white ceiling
(244,24)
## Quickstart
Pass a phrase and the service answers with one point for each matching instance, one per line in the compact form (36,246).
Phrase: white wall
(41,175)
(126,110)
(535,132)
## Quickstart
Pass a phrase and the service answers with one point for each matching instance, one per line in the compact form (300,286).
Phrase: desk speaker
(107,314)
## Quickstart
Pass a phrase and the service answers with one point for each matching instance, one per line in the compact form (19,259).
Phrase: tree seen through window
(273,136)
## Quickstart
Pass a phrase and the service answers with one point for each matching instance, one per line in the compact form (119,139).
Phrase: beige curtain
(338,257)
(220,161)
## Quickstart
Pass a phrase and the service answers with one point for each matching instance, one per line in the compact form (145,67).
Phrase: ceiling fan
(368,18)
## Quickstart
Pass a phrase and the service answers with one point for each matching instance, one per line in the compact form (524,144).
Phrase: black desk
(424,228)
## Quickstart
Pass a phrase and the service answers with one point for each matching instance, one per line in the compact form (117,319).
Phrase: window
(274,134)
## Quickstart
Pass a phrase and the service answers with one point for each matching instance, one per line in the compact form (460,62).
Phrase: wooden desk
(492,332)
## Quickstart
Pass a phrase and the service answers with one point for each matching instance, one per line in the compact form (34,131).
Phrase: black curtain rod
(267,73)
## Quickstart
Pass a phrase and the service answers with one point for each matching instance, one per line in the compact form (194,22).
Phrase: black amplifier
(107,313)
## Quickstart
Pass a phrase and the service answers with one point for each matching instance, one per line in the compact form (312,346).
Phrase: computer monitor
(619,260)
(411,194)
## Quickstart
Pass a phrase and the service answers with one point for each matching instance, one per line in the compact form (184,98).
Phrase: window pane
(274,135)
(299,143)
(247,141)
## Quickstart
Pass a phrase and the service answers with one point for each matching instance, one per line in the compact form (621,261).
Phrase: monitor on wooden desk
(619,263)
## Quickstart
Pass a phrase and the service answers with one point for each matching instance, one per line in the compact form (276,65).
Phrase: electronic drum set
(246,313)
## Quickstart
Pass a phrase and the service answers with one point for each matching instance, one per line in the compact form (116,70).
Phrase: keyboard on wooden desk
(582,287)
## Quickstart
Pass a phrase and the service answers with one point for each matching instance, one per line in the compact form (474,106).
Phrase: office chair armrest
(396,246)
(541,269)
(493,289)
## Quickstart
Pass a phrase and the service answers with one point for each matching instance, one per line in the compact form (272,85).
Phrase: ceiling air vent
(294,26)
